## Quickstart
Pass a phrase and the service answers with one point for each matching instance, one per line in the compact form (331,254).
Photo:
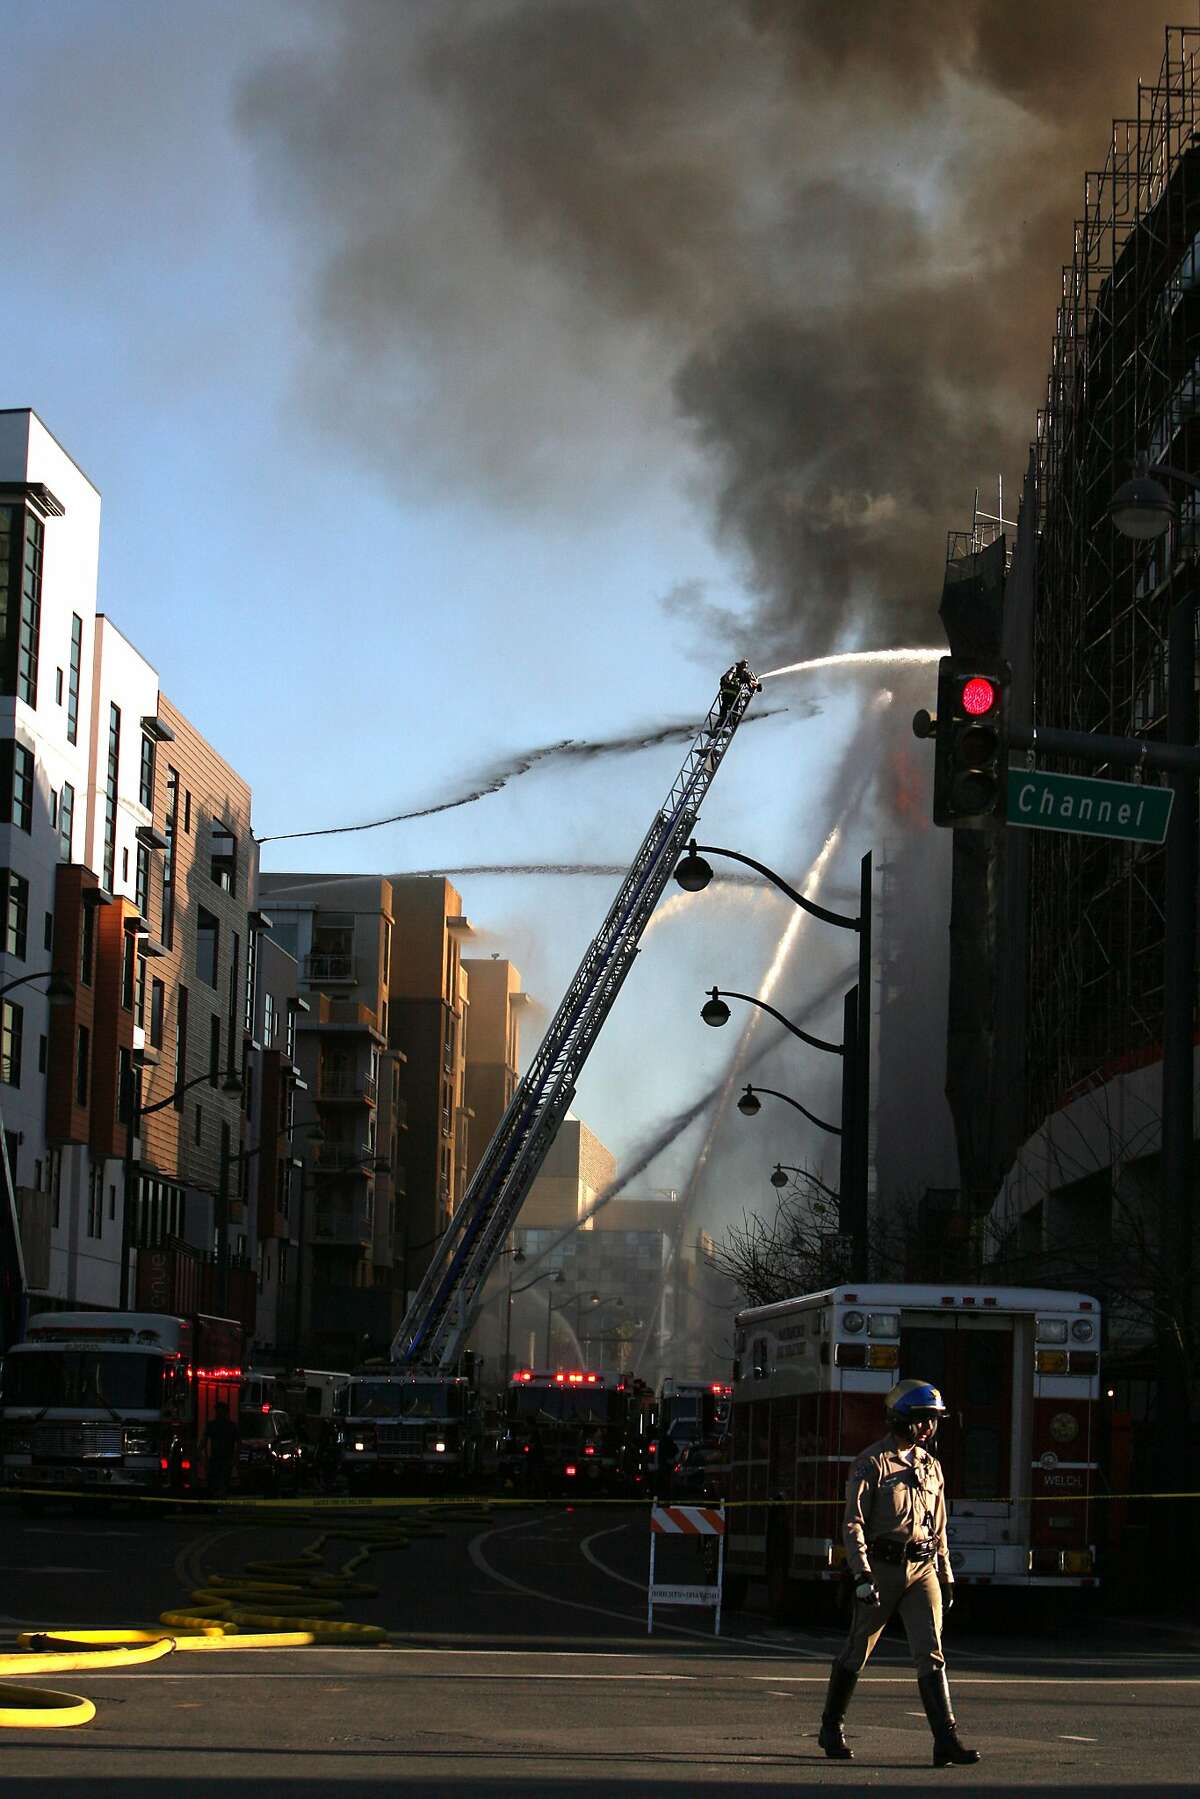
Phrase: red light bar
(570,1468)
(266,1408)
(220,1373)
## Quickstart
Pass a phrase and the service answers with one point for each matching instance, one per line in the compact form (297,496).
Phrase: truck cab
(410,1428)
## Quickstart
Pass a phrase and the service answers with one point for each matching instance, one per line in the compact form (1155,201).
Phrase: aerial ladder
(443,1309)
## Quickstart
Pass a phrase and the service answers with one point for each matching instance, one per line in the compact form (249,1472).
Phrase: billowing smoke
(569,751)
(806,253)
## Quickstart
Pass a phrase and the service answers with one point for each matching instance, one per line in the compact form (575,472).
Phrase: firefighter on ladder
(895,1534)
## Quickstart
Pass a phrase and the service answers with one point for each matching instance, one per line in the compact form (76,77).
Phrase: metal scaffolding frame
(1124,380)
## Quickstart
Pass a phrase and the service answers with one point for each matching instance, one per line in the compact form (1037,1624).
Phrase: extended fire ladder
(436,1324)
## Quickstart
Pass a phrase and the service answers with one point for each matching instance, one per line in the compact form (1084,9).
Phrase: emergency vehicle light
(570,1468)
(883,1355)
(1051,1361)
(219,1373)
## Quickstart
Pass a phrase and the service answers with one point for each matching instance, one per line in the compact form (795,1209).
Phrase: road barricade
(687,1521)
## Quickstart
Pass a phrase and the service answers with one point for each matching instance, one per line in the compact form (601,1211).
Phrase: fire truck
(115,1402)
(402,1428)
(694,1411)
(576,1430)
(1019,1370)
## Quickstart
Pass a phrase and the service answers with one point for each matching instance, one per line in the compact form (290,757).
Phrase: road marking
(475,1551)
(1067,1739)
(1004,1680)
(53,1570)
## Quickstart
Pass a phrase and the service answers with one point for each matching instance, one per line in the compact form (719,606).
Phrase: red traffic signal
(971,759)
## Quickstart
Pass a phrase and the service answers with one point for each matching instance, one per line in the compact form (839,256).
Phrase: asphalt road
(517,1661)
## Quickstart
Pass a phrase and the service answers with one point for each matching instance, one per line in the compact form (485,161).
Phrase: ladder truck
(435,1327)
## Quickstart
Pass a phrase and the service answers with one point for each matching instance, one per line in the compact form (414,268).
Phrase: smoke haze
(807,254)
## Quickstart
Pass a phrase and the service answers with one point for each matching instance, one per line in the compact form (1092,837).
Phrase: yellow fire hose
(288,1603)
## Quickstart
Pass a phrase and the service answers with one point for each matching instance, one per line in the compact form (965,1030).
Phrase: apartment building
(493,1048)
(429,996)
(339,929)
(127,863)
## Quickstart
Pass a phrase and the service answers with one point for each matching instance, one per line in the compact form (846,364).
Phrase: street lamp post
(693,874)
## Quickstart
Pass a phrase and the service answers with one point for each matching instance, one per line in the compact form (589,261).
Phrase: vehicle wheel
(783,1597)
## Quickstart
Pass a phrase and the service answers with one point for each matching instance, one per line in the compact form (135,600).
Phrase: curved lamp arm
(833,1049)
(835,1130)
(842,919)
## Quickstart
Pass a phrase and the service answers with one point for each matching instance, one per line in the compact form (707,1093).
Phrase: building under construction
(1124,382)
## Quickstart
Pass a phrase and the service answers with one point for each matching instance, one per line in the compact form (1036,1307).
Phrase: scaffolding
(1124,379)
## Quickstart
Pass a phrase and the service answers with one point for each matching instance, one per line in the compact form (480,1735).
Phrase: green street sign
(1087,807)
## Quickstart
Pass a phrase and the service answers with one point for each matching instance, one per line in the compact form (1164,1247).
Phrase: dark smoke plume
(570,750)
(815,246)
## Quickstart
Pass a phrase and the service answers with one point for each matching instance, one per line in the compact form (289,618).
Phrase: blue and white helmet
(912,1400)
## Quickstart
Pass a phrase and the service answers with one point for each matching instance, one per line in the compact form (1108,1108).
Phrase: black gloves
(865,1591)
(947,1595)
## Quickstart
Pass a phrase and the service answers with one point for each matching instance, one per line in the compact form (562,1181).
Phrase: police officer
(895,1535)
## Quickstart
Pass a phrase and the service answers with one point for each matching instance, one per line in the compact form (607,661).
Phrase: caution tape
(481,1505)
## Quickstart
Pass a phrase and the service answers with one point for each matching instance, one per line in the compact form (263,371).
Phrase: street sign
(1088,808)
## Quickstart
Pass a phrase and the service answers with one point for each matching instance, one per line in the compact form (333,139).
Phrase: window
(73,682)
(128,970)
(124,1086)
(95,1217)
(141,887)
(112,1202)
(187,813)
(214,1050)
(251,980)
(22,541)
(146,773)
(16,783)
(139,1008)
(83,1056)
(224,855)
(48,931)
(208,938)
(58,687)
(12,1021)
(170,827)
(110,795)
(269,1020)
(158,999)
(43,1050)
(87,945)
(181,1025)
(14,913)
(235,950)
(66,821)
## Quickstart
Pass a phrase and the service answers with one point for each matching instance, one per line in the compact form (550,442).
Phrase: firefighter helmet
(912,1400)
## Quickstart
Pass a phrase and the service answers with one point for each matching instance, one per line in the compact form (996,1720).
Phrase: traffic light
(970,776)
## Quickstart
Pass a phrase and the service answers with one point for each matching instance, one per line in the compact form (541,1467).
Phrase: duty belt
(887,1549)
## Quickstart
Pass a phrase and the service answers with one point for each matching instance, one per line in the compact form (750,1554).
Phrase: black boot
(841,1688)
(935,1697)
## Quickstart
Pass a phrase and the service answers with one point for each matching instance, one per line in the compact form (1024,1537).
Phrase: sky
(464,378)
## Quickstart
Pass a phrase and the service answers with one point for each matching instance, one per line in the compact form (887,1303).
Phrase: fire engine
(400,1428)
(115,1401)
(694,1411)
(576,1429)
(1019,1370)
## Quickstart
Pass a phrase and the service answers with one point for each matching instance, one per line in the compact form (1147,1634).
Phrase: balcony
(346,1016)
(324,968)
(343,1224)
(343,1158)
(347,1083)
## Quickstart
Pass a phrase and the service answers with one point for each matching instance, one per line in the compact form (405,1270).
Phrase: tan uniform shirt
(886,1496)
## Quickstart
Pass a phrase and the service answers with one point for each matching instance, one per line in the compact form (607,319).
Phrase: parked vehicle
(579,1429)
(405,1429)
(1019,1370)
(269,1459)
(115,1402)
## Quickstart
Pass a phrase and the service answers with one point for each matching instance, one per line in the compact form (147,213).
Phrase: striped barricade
(687,1521)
